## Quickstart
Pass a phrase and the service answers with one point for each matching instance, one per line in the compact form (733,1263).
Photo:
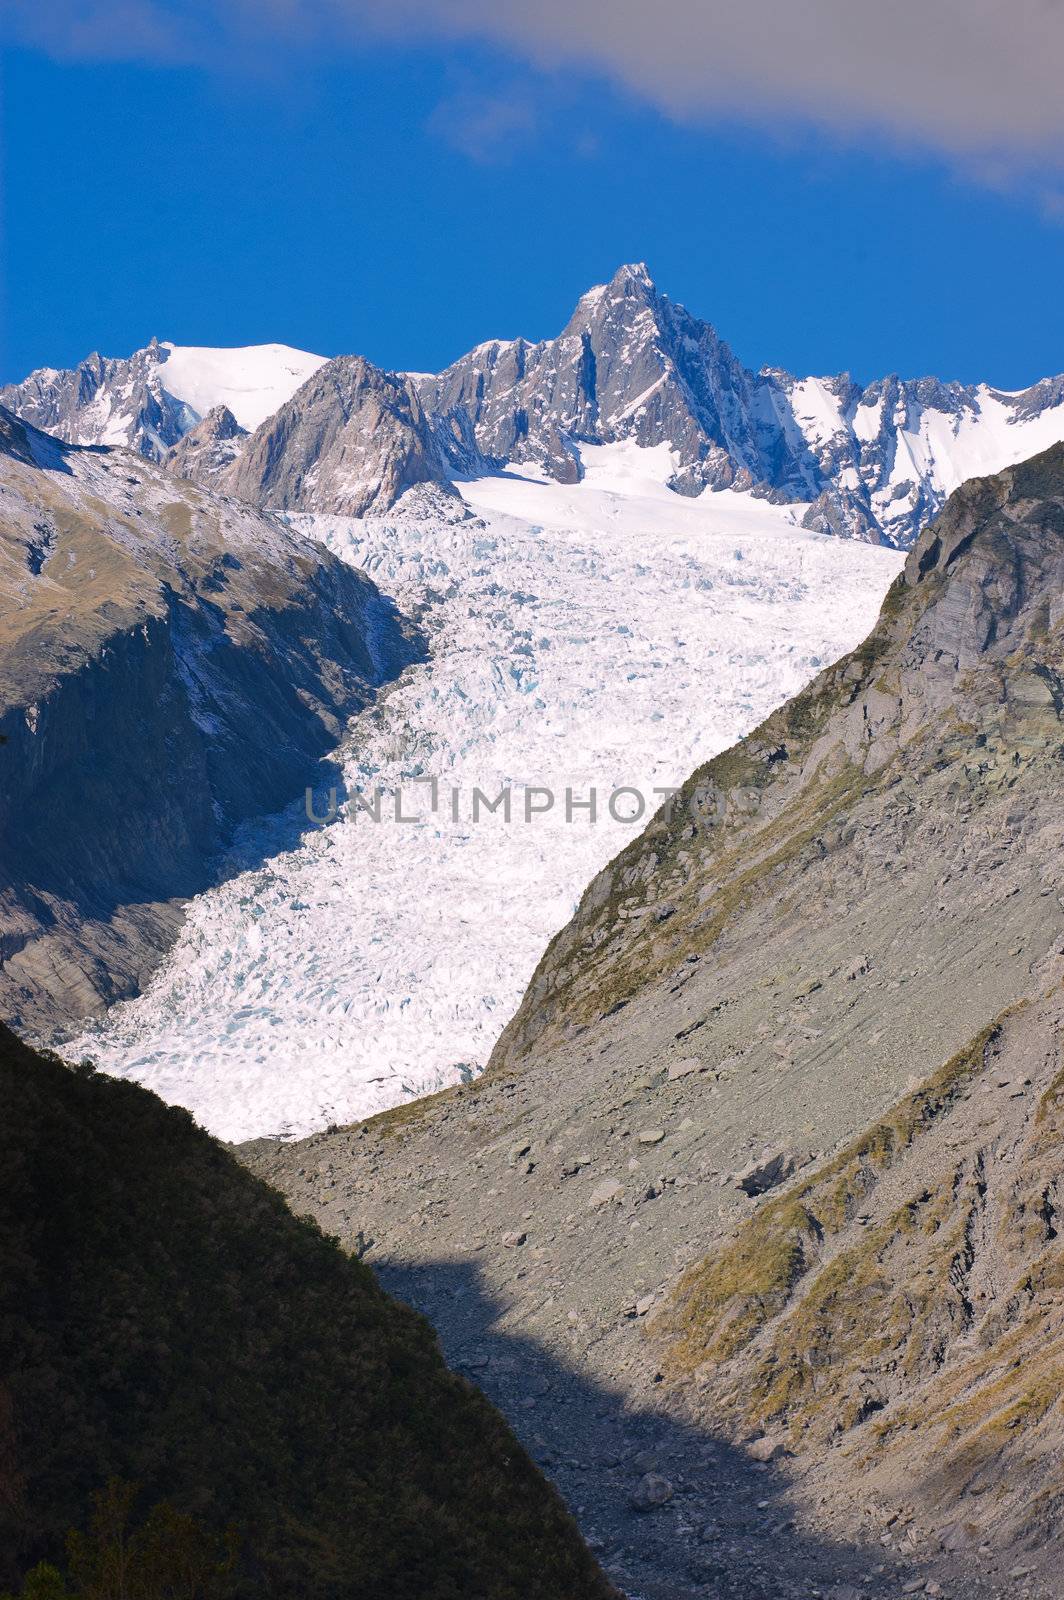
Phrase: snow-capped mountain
(344,437)
(873,463)
(152,399)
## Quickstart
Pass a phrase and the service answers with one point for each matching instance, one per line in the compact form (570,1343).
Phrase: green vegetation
(167,1557)
(166,1321)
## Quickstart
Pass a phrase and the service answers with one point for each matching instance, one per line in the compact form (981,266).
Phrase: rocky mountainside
(165,1321)
(900,1308)
(871,462)
(171,664)
(763,1171)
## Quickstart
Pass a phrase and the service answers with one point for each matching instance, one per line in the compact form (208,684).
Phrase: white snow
(941,448)
(954,449)
(816,409)
(606,634)
(253,381)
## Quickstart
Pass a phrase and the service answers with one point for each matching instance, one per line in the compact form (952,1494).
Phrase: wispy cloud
(489,128)
(965,78)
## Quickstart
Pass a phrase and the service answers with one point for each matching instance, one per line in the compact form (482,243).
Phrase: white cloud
(969,78)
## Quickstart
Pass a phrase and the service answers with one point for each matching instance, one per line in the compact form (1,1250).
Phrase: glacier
(597,635)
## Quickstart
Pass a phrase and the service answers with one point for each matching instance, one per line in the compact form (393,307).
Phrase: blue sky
(408,198)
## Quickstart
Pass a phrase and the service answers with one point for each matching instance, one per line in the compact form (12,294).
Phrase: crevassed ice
(605,635)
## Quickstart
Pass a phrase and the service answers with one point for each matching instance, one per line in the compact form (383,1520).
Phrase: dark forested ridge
(166,1321)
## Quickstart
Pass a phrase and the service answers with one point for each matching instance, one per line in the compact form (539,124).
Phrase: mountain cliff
(785,1096)
(165,1321)
(171,664)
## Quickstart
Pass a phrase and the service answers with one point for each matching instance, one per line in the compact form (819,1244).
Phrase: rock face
(166,1321)
(865,953)
(351,440)
(208,449)
(170,665)
(874,462)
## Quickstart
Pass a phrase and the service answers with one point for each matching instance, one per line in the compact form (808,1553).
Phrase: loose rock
(650,1492)
(605,1193)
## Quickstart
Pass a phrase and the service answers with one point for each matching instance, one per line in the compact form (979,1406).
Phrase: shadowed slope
(165,1319)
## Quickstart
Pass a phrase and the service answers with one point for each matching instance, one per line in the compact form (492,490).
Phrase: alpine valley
(585,828)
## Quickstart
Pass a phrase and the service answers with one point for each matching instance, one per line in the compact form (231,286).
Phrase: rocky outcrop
(776,1122)
(171,665)
(350,441)
(169,1324)
(208,449)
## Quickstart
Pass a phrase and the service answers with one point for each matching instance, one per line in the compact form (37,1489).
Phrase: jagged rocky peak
(349,441)
(209,448)
(105,400)
(628,365)
(874,463)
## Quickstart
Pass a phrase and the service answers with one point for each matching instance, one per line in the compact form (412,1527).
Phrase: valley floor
(601,636)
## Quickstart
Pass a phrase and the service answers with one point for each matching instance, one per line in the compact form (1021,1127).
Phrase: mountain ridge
(150,400)
(873,461)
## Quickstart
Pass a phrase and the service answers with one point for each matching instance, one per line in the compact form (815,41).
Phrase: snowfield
(254,381)
(601,636)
